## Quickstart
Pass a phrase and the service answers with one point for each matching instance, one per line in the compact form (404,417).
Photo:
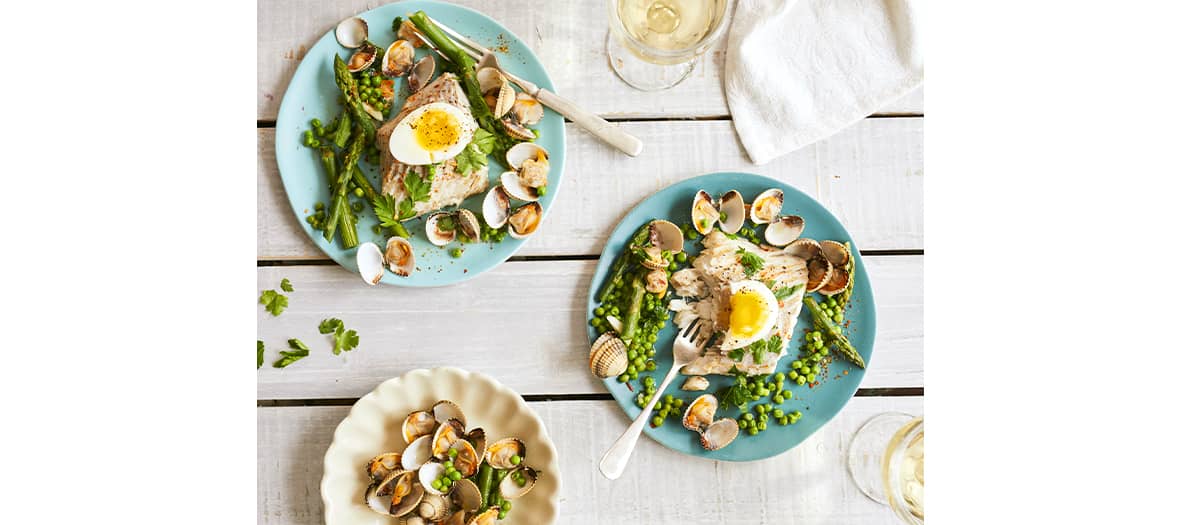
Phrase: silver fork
(687,346)
(609,133)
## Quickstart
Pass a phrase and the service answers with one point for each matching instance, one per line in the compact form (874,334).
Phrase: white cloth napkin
(798,71)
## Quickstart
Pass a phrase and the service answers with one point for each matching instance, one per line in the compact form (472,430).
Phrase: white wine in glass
(667,36)
(886,459)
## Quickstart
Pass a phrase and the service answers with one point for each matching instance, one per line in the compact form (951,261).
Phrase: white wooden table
(869,175)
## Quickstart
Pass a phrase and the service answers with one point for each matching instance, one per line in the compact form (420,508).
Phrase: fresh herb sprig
(261,350)
(298,351)
(286,285)
(475,155)
(343,339)
(274,302)
(751,262)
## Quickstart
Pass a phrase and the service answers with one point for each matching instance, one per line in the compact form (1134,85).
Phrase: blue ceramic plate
(819,404)
(312,94)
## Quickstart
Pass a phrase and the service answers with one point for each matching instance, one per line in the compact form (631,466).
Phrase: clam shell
(837,282)
(362,58)
(704,213)
(466,461)
(496,207)
(409,502)
(446,435)
(418,423)
(399,59)
(487,517)
(695,384)
(525,220)
(615,324)
(734,209)
(804,248)
(516,129)
(489,78)
(479,441)
(383,465)
(352,32)
(655,259)
(516,155)
(465,495)
(608,355)
(372,111)
(435,234)
(666,236)
(835,252)
(505,98)
(720,433)
(510,489)
(784,230)
(370,263)
(446,410)
(379,504)
(428,474)
(399,255)
(417,453)
(656,282)
(434,507)
(510,181)
(700,413)
(500,453)
(469,225)
(766,206)
(819,271)
(527,110)
(420,74)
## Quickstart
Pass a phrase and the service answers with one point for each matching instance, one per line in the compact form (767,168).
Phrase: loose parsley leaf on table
(342,339)
(261,349)
(298,351)
(286,285)
(751,262)
(274,302)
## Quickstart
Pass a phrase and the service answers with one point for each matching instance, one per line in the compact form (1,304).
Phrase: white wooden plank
(568,37)
(869,175)
(522,323)
(808,484)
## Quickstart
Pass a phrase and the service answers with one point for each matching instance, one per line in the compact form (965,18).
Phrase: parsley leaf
(405,209)
(417,188)
(736,395)
(470,159)
(328,326)
(737,354)
(286,285)
(485,139)
(784,293)
(298,351)
(774,344)
(261,349)
(342,339)
(349,341)
(274,302)
(751,263)
(385,208)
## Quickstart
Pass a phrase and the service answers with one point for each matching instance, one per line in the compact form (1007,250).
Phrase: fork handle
(615,460)
(610,133)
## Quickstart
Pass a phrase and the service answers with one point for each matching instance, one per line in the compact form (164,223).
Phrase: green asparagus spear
(348,238)
(631,316)
(823,322)
(347,85)
(619,267)
(343,130)
(340,191)
(328,159)
(363,183)
(845,296)
(483,480)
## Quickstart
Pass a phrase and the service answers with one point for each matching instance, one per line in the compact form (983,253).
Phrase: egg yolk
(436,130)
(746,313)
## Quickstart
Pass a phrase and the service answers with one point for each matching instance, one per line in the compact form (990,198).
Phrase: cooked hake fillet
(449,187)
(707,281)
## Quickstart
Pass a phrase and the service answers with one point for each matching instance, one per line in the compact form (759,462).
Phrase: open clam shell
(501,452)
(429,473)
(370,263)
(516,129)
(819,271)
(445,436)
(720,433)
(530,162)
(398,59)
(518,482)
(516,188)
(835,252)
(704,213)
(804,248)
(837,282)
(379,504)
(525,220)
(734,210)
(466,461)
(695,384)
(399,255)
(699,414)
(417,424)
(421,73)
(363,58)
(352,32)
(527,110)
(501,100)
(784,230)
(489,78)
(665,236)
(383,465)
(434,508)
(608,355)
(766,206)
(496,207)
(469,225)
(487,517)
(441,228)
(479,441)
(465,495)
(409,502)
(516,155)
(417,453)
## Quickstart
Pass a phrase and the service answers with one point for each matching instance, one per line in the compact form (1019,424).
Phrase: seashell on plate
(819,271)
(784,230)
(766,206)
(465,460)
(837,282)
(487,517)
(700,413)
(695,384)
(656,282)
(608,355)
(704,213)
(655,258)
(383,465)
(440,228)
(429,473)
(399,59)
(527,110)
(362,58)
(515,129)
(615,323)
(666,236)
(419,423)
(370,263)
(804,248)
(835,252)
(479,441)
(396,496)
(434,508)
(409,32)
(399,255)
(501,452)
(417,453)
(525,220)
(733,209)
(531,163)
(489,78)
(518,482)
(446,410)
(409,502)
(352,32)
(500,99)
(719,433)
(372,111)
(379,504)
(445,436)
(496,207)
(469,225)
(420,74)
(516,188)
(465,495)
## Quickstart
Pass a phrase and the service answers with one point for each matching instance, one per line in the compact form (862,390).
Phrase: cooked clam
(398,60)
(352,32)
(700,413)
(440,228)
(417,453)
(487,517)
(518,483)
(819,271)
(666,236)
(434,507)
(733,212)
(835,252)
(489,78)
(804,248)
(479,441)
(446,410)
(362,58)
(465,495)
(500,99)
(766,206)
(429,473)
(399,255)
(500,453)
(531,163)
(413,520)
(784,230)
(704,213)
(525,220)
(408,503)
(420,74)
(654,258)
(446,435)
(370,262)
(465,460)
(469,225)
(695,384)
(515,129)
(383,465)
(419,423)
(527,110)
(656,282)
(516,188)
(837,282)
(379,504)
(409,32)
(496,207)
(385,89)
(608,355)
(719,433)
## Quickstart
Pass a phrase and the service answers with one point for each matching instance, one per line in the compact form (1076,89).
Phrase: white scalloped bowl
(373,426)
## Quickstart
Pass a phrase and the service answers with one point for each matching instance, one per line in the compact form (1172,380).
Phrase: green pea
(838,317)
(805,370)
(437,484)
(659,405)
(541,190)
(456,252)
(614,310)
(800,380)
(623,378)
(515,459)
(761,425)
(651,366)
(810,378)
(743,423)
(753,430)
(779,399)
(503,514)
(599,311)
(760,409)
(638,361)
(668,398)
(782,420)
(681,257)
(507,506)
(788,395)
(796,364)
(650,352)
(747,416)
(631,371)
(778,377)
(651,390)
(673,267)
(763,392)
(778,412)
(692,234)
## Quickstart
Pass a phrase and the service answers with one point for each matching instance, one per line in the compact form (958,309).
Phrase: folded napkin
(798,71)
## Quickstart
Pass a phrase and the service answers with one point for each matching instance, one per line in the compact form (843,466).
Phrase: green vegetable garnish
(274,302)
(286,285)
(342,339)
(751,262)
(298,351)
(261,349)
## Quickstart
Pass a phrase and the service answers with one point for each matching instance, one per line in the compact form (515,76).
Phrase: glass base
(643,75)
(866,453)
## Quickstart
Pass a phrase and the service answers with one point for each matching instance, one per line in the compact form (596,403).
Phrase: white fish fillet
(708,282)
(449,186)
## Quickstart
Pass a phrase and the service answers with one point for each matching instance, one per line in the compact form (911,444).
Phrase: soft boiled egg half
(753,311)
(432,133)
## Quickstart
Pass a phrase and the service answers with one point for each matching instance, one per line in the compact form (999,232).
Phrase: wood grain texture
(869,175)
(522,323)
(568,37)
(807,484)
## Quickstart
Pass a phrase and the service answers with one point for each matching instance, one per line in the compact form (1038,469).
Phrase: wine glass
(655,44)
(886,460)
